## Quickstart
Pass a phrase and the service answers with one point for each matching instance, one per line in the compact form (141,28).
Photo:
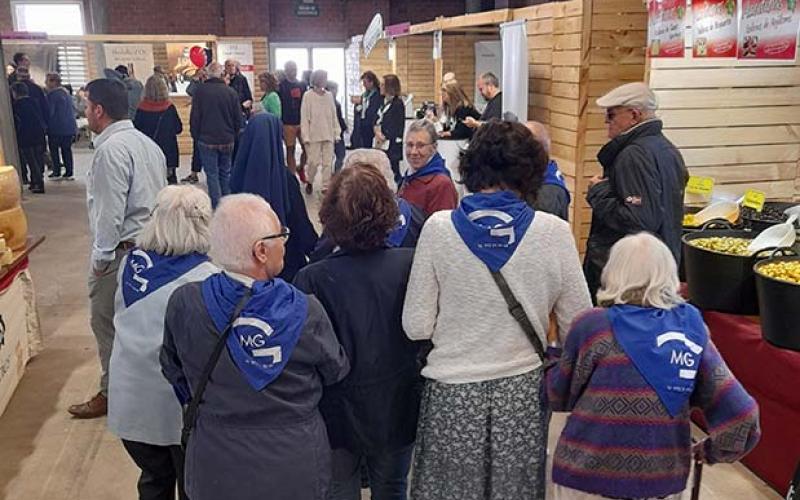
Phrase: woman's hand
(356,99)
(444,134)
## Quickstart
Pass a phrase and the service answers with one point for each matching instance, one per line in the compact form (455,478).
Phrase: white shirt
(453,300)
(128,170)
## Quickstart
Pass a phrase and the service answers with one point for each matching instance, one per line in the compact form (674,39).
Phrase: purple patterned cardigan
(620,441)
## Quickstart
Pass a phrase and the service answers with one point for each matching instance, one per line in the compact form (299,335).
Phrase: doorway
(330,58)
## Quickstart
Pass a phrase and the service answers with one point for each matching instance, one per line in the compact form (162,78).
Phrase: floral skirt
(481,441)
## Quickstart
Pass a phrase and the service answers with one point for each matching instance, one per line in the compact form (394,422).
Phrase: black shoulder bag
(190,414)
(516,310)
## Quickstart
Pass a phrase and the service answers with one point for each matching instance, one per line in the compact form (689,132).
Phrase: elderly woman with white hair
(630,373)
(142,409)
(252,427)
(319,128)
(411,218)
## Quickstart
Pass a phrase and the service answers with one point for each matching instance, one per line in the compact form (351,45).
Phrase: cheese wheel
(9,188)
(14,227)
(6,258)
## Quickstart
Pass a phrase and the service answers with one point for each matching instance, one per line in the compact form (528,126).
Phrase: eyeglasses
(612,113)
(419,146)
(285,232)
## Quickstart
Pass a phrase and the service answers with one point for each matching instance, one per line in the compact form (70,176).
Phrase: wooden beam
(493,17)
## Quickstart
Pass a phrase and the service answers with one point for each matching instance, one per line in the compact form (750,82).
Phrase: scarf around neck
(492,225)
(554,177)
(396,237)
(267,330)
(146,272)
(435,166)
(665,345)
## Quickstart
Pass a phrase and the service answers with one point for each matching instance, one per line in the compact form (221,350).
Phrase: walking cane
(698,478)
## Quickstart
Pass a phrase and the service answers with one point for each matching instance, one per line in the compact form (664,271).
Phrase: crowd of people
(421,334)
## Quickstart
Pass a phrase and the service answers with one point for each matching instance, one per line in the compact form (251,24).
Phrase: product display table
(20,337)
(771,375)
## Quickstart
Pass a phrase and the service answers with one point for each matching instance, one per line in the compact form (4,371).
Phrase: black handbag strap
(190,415)
(516,310)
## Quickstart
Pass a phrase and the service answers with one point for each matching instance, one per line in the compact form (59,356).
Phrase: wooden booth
(736,121)
(83,58)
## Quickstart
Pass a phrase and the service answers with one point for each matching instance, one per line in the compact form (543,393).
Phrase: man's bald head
(240,221)
(540,133)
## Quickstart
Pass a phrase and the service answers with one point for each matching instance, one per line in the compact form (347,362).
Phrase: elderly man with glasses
(427,184)
(643,180)
(253,427)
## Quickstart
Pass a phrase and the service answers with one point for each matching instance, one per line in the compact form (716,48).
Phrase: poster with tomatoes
(768,29)
(666,28)
(714,28)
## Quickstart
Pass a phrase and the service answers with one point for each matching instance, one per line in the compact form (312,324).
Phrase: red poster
(768,29)
(714,28)
(666,28)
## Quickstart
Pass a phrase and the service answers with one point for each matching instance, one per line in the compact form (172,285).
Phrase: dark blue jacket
(375,407)
(29,122)
(61,115)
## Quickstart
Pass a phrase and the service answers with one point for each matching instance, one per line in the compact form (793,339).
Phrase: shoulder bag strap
(190,415)
(516,310)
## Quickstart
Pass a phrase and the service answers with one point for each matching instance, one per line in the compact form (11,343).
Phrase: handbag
(190,414)
(518,313)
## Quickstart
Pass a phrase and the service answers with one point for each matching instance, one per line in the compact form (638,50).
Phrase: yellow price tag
(700,185)
(754,199)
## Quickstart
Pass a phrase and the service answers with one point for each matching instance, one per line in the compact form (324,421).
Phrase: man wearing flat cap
(643,180)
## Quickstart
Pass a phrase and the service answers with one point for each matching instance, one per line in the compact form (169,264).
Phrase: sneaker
(53,175)
(190,179)
(309,188)
(56,178)
(67,178)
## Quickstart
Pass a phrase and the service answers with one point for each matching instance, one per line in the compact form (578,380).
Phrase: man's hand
(471,122)
(247,104)
(597,179)
(445,134)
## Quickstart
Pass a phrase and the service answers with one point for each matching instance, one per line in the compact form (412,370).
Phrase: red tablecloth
(772,376)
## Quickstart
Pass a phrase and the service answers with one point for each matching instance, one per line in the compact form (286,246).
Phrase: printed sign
(242,52)
(768,29)
(714,27)
(139,56)
(754,199)
(306,8)
(666,28)
(700,185)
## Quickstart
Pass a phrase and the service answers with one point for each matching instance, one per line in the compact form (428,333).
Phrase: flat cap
(634,95)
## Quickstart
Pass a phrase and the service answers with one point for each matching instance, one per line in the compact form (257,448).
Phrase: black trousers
(162,470)
(197,165)
(32,159)
(61,153)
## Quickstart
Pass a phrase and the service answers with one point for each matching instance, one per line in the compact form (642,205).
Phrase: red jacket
(431,193)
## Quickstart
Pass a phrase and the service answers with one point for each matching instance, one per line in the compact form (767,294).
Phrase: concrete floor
(45,454)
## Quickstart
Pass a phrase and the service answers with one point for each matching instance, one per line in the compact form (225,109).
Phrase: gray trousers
(102,290)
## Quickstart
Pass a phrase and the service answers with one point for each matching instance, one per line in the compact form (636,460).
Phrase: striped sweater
(620,441)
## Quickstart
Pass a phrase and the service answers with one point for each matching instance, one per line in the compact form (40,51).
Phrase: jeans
(32,159)
(61,153)
(339,150)
(388,474)
(216,162)
(162,470)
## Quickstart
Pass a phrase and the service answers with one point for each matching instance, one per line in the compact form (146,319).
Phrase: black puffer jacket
(644,192)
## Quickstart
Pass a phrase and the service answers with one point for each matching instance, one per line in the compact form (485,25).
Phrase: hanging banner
(180,67)
(666,33)
(373,34)
(714,28)
(242,52)
(768,29)
(138,56)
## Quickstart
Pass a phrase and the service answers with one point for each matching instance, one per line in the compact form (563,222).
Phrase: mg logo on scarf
(255,342)
(142,263)
(681,358)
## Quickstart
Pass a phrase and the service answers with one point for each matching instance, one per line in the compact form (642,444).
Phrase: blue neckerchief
(492,225)
(145,272)
(396,237)
(666,347)
(266,332)
(434,166)
(554,177)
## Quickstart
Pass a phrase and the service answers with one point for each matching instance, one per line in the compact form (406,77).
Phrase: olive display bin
(779,302)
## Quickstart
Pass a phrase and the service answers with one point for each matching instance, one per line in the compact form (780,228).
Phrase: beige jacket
(318,122)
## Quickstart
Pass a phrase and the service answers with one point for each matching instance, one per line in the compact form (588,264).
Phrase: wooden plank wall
(735,121)
(415,66)
(458,57)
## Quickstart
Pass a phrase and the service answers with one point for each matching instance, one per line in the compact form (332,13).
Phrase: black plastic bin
(717,281)
(779,302)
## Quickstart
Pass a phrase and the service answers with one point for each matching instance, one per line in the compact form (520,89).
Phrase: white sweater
(453,300)
(318,121)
